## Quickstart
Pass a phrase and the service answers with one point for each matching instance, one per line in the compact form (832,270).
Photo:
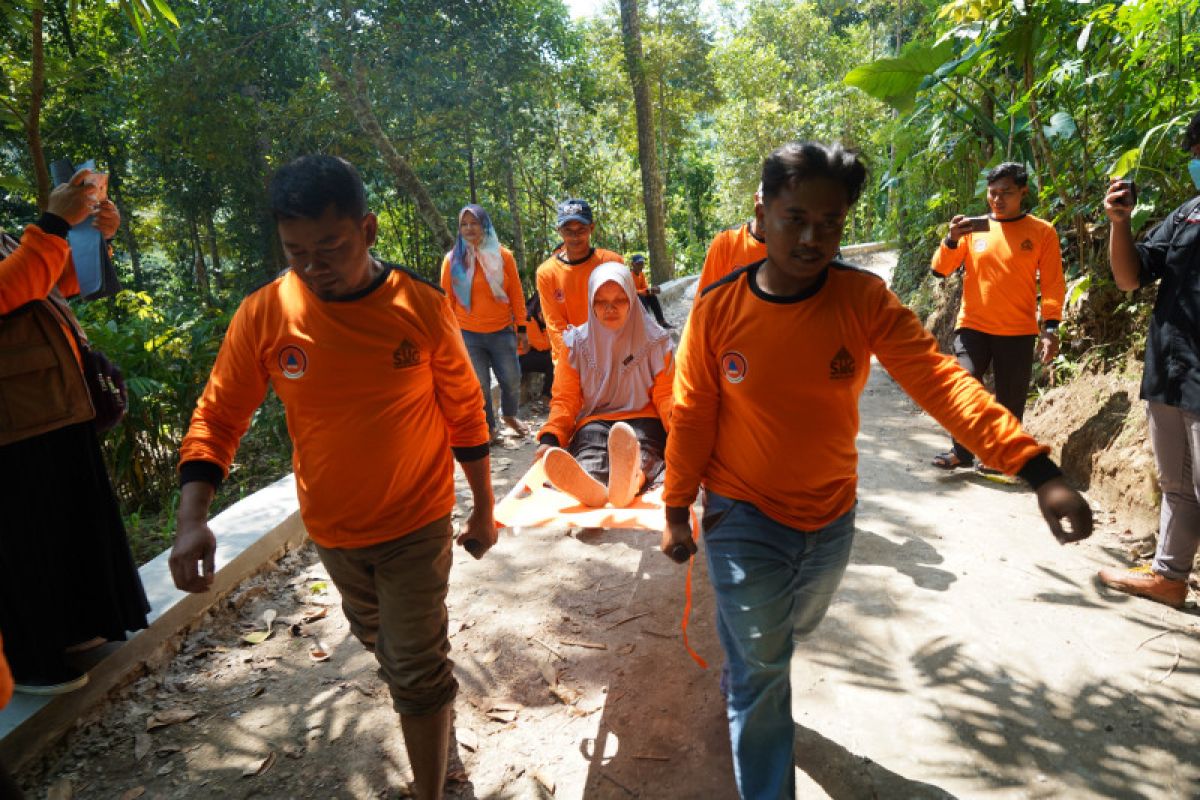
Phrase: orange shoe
(565,474)
(1145,582)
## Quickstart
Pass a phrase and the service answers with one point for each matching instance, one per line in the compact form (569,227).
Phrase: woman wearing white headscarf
(484,290)
(611,404)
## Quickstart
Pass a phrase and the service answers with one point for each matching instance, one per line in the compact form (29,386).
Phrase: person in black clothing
(646,293)
(1171,378)
(536,357)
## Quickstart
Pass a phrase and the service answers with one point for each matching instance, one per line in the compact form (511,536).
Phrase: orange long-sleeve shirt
(767,388)
(563,287)
(1003,270)
(731,249)
(377,389)
(639,283)
(42,262)
(567,401)
(487,314)
(538,338)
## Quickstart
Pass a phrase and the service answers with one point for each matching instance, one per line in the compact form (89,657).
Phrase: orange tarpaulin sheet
(533,504)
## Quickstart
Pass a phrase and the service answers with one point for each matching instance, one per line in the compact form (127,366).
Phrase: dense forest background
(189,106)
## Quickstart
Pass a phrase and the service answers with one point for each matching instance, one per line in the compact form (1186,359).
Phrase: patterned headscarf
(465,256)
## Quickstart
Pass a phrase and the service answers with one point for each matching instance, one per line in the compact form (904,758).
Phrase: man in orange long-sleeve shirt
(562,279)
(733,248)
(1005,260)
(770,369)
(380,398)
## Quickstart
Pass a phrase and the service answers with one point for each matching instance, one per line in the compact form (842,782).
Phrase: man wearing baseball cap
(562,280)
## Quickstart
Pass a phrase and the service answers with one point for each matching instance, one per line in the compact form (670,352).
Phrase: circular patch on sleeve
(733,366)
(293,362)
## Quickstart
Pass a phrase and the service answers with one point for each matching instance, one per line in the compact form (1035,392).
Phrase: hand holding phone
(979,224)
(1120,200)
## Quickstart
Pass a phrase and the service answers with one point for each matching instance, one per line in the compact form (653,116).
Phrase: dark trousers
(539,361)
(652,305)
(1011,361)
(589,446)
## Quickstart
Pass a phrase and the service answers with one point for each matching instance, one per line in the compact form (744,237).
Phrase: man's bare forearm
(1123,256)
(479,478)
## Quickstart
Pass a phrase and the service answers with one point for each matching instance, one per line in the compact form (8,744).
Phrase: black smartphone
(979,224)
(1130,187)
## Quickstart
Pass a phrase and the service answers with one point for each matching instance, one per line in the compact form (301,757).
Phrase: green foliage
(190,107)
(1077,91)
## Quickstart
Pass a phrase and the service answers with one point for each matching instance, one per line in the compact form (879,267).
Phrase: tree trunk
(214,251)
(129,239)
(514,200)
(355,96)
(33,117)
(199,267)
(471,171)
(661,267)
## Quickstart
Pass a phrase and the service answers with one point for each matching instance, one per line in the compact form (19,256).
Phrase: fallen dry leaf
(502,716)
(625,649)
(314,614)
(580,643)
(544,780)
(134,793)
(467,738)
(257,768)
(565,694)
(256,637)
(141,745)
(319,652)
(549,673)
(503,705)
(168,716)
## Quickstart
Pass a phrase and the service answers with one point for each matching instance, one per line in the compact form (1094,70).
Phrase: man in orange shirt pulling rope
(769,372)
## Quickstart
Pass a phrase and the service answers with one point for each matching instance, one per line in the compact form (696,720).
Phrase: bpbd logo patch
(293,362)
(734,367)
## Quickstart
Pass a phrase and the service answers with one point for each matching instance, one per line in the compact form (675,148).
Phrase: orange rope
(687,602)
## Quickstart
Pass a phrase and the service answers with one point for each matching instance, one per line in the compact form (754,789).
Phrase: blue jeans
(496,352)
(773,584)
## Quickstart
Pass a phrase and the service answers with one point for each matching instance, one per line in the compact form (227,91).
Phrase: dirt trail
(967,655)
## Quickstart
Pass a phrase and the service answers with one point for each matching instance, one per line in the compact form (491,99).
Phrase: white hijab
(616,368)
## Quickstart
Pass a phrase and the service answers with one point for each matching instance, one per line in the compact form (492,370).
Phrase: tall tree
(661,266)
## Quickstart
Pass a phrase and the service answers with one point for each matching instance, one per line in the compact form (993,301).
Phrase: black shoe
(61,681)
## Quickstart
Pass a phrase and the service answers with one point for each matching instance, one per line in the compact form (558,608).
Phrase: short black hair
(306,187)
(1009,169)
(798,161)
(1191,136)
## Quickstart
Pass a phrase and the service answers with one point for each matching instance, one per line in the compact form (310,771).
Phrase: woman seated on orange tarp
(611,404)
